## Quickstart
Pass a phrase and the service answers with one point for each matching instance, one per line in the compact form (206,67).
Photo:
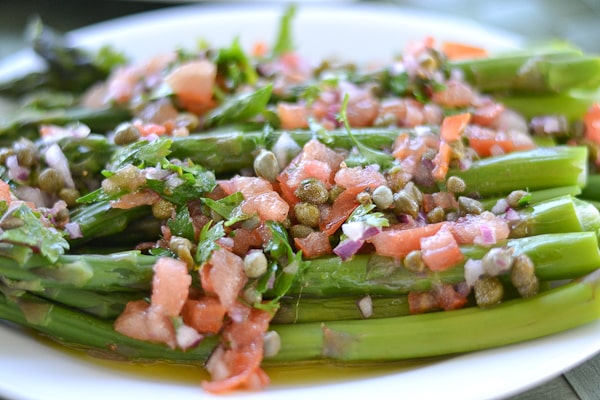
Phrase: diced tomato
(487,142)
(224,276)
(193,84)
(342,207)
(456,93)
(453,126)
(5,192)
(486,114)
(591,121)
(204,315)
(441,161)
(136,199)
(399,242)
(236,365)
(440,251)
(422,302)
(259,197)
(149,129)
(445,200)
(364,177)
(292,116)
(314,245)
(259,49)
(461,51)
(141,321)
(448,298)
(468,229)
(170,286)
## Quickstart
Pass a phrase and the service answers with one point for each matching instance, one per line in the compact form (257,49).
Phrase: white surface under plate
(34,370)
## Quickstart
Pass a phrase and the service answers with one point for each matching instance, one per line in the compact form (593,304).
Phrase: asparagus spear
(450,332)
(552,255)
(377,340)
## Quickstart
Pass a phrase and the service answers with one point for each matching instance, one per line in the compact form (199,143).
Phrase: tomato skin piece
(343,206)
(204,314)
(314,245)
(170,286)
(440,251)
(591,121)
(453,126)
(462,51)
(398,243)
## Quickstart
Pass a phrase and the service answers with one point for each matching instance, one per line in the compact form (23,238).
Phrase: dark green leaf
(208,241)
(240,108)
(181,225)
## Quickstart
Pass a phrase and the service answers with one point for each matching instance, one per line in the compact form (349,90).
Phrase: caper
(50,180)
(183,248)
(455,184)
(488,291)
(126,133)
(404,203)
(334,192)
(312,191)
(271,344)
(300,231)
(436,215)
(515,198)
(522,276)
(69,196)
(162,209)
(187,120)
(363,198)
(470,206)
(26,153)
(307,214)
(413,261)
(266,165)
(255,264)
(129,177)
(383,197)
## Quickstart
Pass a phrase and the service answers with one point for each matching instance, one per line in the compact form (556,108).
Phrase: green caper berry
(255,264)
(129,177)
(413,261)
(455,184)
(183,248)
(251,295)
(69,196)
(26,156)
(312,191)
(334,192)
(404,203)
(488,291)
(383,197)
(50,180)
(307,214)
(414,191)
(436,215)
(363,198)
(162,209)
(522,271)
(515,197)
(470,206)
(62,217)
(519,229)
(4,154)
(126,133)
(300,231)
(266,165)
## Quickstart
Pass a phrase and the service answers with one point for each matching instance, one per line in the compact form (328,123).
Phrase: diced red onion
(156,173)
(487,235)
(74,230)
(473,271)
(33,195)
(511,215)
(187,337)
(347,248)
(55,132)
(56,159)
(285,148)
(15,171)
(365,305)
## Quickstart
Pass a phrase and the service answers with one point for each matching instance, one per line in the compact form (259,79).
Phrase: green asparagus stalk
(377,340)
(552,255)
(444,333)
(125,271)
(79,330)
(548,72)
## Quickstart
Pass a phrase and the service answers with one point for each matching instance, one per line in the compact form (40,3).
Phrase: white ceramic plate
(34,370)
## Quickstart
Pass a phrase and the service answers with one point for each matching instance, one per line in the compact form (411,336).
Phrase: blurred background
(577,21)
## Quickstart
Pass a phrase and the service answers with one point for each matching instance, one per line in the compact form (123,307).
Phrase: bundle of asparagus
(133,227)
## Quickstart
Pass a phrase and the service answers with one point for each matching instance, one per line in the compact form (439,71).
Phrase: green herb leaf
(363,213)
(284,42)
(235,66)
(48,240)
(362,155)
(181,224)
(207,242)
(240,108)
